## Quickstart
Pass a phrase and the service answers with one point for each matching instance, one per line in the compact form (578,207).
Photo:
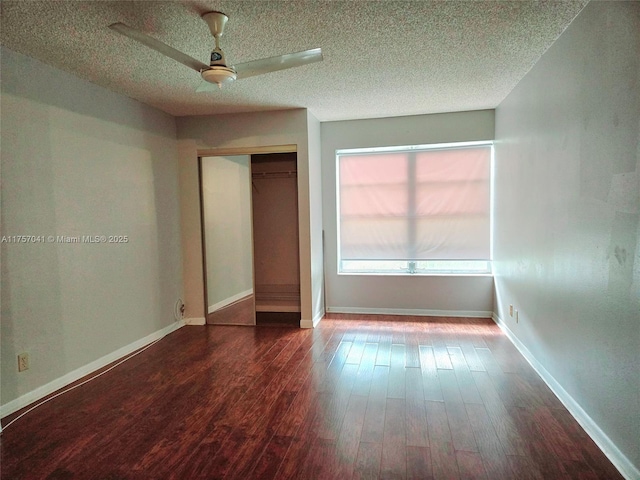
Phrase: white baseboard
(407,311)
(229,300)
(312,323)
(318,317)
(57,384)
(195,321)
(613,453)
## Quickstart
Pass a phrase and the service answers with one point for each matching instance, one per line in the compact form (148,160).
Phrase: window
(418,209)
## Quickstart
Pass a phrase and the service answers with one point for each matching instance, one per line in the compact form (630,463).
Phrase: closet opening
(274,194)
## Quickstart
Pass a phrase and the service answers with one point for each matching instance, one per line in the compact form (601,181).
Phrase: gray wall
(79,160)
(567,201)
(406,294)
(315,220)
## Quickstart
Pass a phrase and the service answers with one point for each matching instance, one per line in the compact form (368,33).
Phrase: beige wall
(567,225)
(80,160)
(243,131)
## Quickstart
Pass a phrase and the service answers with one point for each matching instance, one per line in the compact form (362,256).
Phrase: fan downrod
(216,22)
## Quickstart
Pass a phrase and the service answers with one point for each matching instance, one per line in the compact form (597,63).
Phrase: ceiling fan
(218,71)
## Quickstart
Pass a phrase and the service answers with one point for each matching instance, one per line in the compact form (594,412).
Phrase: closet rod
(274,174)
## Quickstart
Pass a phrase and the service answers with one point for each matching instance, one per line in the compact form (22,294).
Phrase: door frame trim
(221,152)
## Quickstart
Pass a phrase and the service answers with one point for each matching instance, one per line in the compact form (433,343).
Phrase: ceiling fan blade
(273,64)
(158,46)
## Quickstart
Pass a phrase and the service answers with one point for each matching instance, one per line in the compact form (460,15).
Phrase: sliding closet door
(227,234)
(275,235)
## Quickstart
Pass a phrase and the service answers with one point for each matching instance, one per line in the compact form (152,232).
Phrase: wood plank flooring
(240,312)
(359,397)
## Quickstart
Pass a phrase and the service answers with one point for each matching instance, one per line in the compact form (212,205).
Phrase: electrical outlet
(511,310)
(178,310)
(23,362)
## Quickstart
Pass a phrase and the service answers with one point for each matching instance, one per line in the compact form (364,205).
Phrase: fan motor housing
(219,74)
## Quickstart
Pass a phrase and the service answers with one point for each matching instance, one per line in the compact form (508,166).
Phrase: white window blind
(415,204)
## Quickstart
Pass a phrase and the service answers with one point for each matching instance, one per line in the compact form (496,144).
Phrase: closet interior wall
(275,233)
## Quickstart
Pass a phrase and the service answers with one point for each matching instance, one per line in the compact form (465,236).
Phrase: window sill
(425,274)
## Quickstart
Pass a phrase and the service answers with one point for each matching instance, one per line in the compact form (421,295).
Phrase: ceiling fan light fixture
(218,74)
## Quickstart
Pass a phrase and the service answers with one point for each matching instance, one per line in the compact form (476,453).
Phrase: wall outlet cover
(23,362)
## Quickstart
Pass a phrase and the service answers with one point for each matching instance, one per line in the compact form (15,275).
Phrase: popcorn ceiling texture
(381,58)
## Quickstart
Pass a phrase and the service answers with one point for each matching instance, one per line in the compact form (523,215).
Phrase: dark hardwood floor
(358,397)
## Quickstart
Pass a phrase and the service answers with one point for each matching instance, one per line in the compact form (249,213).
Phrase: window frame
(443,267)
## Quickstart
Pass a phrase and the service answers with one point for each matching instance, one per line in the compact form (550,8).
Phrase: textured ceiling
(381,58)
